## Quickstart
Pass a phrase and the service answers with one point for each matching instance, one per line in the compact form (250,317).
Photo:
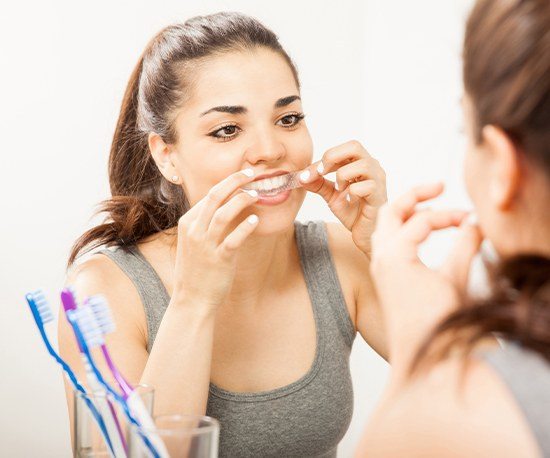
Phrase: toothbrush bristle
(42,306)
(91,332)
(68,298)
(102,313)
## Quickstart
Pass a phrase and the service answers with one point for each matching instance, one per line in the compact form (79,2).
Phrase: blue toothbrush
(88,335)
(42,314)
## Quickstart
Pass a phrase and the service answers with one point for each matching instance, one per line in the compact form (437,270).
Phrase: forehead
(247,77)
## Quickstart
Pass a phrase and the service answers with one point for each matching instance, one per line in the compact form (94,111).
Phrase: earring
(175,178)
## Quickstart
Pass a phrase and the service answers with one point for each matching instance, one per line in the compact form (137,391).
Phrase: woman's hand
(357,194)
(413,297)
(209,235)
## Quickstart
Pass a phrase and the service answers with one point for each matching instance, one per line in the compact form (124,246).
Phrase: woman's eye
(290,120)
(225,132)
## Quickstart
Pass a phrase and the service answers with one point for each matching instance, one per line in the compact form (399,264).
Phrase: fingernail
(336,186)
(471,219)
(251,192)
(253,219)
(304,176)
(248,172)
(320,168)
(348,198)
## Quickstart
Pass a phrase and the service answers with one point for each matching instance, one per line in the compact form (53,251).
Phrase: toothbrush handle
(72,377)
(118,427)
(107,412)
(125,387)
(144,419)
(154,446)
(99,419)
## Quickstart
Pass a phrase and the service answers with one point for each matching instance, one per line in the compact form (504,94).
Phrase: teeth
(270,184)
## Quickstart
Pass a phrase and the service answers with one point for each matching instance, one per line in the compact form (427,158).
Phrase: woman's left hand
(357,194)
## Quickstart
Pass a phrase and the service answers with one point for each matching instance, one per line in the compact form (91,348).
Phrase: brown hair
(143,202)
(506,74)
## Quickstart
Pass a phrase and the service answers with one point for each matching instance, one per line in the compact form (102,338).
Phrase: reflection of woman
(233,292)
(453,391)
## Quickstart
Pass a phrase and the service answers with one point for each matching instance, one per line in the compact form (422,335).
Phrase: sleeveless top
(527,376)
(306,418)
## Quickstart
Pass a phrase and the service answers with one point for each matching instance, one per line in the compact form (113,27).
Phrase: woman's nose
(265,149)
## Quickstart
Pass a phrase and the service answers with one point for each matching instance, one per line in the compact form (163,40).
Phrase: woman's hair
(143,202)
(506,74)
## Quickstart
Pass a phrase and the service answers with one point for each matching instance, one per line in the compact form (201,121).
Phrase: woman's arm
(353,266)
(369,320)
(179,365)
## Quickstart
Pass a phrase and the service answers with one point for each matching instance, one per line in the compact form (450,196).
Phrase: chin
(278,218)
(274,224)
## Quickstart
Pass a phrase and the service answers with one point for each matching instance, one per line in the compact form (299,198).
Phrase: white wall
(384,72)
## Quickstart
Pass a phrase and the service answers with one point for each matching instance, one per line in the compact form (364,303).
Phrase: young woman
(453,390)
(223,303)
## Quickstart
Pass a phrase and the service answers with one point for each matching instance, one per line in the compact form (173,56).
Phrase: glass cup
(180,436)
(89,442)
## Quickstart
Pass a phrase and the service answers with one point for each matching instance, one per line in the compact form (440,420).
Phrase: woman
(453,390)
(223,303)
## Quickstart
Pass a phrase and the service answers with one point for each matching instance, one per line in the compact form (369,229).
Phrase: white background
(385,72)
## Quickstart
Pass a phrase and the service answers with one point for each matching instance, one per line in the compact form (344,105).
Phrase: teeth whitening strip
(274,185)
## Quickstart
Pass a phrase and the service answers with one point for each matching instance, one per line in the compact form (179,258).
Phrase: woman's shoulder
(96,271)
(463,405)
(340,243)
(99,274)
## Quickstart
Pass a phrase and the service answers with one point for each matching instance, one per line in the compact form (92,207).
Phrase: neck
(533,238)
(263,263)
(528,223)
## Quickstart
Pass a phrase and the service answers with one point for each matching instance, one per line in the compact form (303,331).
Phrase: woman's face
(244,111)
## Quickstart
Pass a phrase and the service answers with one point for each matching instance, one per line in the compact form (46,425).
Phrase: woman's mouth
(270,186)
(273,190)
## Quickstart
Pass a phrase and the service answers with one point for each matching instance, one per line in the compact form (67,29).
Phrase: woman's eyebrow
(232,109)
(238,109)
(284,101)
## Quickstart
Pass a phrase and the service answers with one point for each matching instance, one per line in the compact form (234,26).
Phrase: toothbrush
(106,325)
(89,336)
(106,408)
(42,314)
(86,331)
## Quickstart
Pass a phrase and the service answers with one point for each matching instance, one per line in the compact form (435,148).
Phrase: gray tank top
(306,418)
(527,376)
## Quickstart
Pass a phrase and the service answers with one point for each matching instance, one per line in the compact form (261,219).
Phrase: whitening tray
(292,183)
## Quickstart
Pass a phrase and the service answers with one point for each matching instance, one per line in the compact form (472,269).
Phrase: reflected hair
(506,73)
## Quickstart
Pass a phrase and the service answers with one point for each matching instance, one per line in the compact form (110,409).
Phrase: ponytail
(517,310)
(143,202)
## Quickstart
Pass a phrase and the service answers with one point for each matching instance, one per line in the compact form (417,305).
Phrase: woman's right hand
(208,242)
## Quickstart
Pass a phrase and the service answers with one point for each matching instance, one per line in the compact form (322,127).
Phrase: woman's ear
(505,167)
(162,155)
